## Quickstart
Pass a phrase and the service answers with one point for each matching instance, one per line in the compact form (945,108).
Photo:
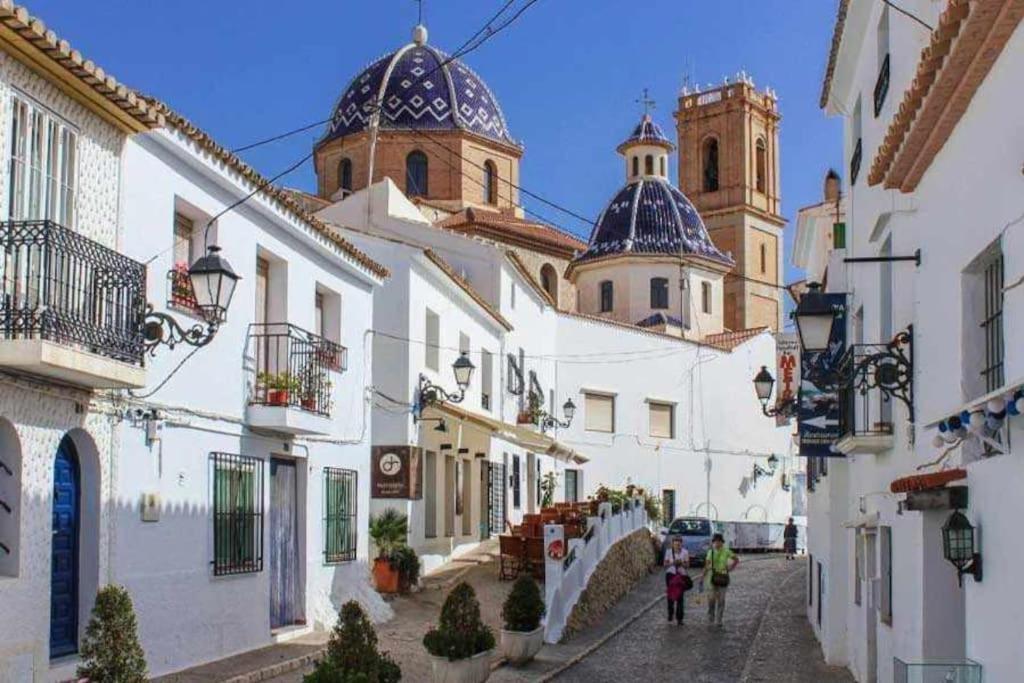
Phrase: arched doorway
(64,574)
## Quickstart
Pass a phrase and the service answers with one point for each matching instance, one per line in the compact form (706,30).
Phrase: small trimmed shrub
(352,655)
(110,650)
(461,633)
(524,606)
(389,531)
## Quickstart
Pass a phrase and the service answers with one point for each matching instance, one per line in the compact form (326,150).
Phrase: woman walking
(677,581)
(789,539)
(718,564)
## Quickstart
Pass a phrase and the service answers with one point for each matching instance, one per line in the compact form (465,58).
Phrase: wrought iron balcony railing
(882,86)
(858,150)
(60,286)
(293,367)
(872,376)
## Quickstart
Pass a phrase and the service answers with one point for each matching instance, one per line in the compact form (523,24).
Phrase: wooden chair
(512,554)
(535,557)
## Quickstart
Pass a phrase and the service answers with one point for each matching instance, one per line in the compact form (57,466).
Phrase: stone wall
(627,562)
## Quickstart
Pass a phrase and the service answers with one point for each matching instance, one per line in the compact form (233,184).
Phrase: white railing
(568,566)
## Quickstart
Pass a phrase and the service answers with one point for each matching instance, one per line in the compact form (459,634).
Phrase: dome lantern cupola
(646,151)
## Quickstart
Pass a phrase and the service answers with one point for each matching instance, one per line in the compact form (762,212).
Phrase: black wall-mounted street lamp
(548,421)
(958,547)
(213,283)
(773,462)
(763,383)
(431,394)
(814,319)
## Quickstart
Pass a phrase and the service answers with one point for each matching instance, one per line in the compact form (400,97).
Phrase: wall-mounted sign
(818,412)
(396,472)
(787,362)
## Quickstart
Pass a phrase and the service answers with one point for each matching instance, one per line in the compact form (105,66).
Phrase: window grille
(340,505)
(515,376)
(496,498)
(992,325)
(42,165)
(237,514)
(571,486)
(516,489)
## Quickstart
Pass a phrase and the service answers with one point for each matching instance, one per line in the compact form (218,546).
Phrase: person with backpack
(718,564)
(677,581)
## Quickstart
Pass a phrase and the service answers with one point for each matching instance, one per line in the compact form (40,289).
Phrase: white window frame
(651,405)
(587,395)
(42,176)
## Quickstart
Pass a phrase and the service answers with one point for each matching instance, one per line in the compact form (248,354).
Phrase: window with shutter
(600,413)
(885,575)
(340,527)
(662,422)
(433,341)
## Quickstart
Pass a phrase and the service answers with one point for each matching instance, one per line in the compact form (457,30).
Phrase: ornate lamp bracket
(160,328)
(431,394)
(890,370)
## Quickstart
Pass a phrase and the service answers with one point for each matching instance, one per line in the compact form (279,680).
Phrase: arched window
(764,258)
(416,174)
(760,164)
(649,165)
(662,160)
(549,280)
(345,174)
(659,292)
(705,297)
(606,296)
(710,159)
(490,182)
(636,166)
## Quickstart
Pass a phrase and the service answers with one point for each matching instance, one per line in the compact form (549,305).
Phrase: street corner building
(206,403)
(913,504)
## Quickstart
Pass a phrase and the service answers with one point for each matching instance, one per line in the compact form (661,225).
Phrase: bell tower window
(345,175)
(636,166)
(606,296)
(549,280)
(416,174)
(490,182)
(659,293)
(710,159)
(760,162)
(649,165)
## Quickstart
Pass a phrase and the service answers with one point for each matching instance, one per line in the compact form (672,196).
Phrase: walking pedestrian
(789,539)
(677,581)
(718,564)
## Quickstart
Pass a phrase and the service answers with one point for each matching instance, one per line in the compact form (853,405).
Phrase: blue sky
(567,73)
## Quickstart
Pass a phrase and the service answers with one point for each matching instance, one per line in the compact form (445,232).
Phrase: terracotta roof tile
(510,229)
(730,340)
(967,41)
(837,40)
(29,36)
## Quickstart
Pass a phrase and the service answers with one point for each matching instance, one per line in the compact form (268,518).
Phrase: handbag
(718,579)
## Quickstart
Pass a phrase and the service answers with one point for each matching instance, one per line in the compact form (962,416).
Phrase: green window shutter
(237,514)
(339,515)
(839,235)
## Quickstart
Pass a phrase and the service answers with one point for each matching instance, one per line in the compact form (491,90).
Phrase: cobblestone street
(766,636)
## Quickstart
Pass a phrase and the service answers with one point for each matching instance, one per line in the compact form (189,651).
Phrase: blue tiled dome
(415,94)
(650,216)
(647,132)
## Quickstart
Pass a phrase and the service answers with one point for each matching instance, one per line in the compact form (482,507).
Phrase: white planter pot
(519,647)
(476,669)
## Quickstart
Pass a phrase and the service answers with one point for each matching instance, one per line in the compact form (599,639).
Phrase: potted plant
(523,635)
(110,649)
(352,653)
(548,484)
(181,287)
(388,531)
(531,414)
(461,646)
(278,387)
(404,560)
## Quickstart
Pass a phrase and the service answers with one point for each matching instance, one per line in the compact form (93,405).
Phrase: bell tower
(729,168)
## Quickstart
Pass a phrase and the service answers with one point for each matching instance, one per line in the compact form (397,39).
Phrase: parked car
(695,533)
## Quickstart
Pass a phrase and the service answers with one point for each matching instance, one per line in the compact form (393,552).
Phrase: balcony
(71,309)
(293,388)
(858,151)
(872,376)
(938,670)
(882,86)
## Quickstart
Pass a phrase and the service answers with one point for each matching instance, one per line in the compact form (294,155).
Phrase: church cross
(646,101)
(419,9)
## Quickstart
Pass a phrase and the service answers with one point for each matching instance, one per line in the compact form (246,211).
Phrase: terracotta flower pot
(385,578)
(277,397)
(519,647)
(475,669)
(309,403)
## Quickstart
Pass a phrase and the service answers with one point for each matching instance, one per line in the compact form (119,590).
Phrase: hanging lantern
(213,283)
(958,546)
(814,319)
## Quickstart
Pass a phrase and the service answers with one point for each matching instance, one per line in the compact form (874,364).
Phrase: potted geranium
(462,645)
(523,635)
(388,531)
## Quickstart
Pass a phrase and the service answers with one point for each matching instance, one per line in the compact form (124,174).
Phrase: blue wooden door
(64,572)
(285,581)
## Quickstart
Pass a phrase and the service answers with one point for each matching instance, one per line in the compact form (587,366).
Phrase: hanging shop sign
(787,363)
(818,413)
(396,472)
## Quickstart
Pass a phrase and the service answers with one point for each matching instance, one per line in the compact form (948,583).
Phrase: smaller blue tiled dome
(650,216)
(647,132)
